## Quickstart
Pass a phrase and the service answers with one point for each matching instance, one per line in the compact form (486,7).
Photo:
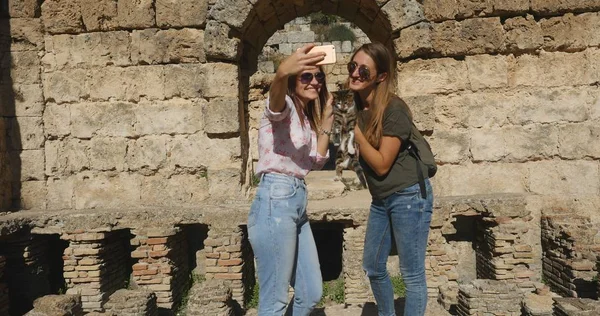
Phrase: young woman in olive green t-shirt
(397,209)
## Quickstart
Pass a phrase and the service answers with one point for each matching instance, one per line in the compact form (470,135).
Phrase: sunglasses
(363,71)
(307,77)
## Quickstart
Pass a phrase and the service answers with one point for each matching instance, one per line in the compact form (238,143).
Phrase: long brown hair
(384,91)
(314,109)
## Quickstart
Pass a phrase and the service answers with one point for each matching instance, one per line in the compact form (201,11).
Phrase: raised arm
(296,63)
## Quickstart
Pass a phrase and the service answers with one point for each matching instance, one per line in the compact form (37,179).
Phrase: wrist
(326,131)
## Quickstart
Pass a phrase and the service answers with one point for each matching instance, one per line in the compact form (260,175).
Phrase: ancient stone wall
(114,105)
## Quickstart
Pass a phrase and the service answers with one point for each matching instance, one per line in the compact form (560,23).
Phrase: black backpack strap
(412,151)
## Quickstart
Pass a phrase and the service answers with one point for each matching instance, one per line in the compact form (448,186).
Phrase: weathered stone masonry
(110,107)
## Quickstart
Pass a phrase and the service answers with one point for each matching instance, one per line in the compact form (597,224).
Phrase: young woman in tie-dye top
(293,139)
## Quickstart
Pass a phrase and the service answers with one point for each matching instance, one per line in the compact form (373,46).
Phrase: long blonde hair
(384,91)
(314,109)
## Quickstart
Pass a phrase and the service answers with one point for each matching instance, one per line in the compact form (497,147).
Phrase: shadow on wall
(10,161)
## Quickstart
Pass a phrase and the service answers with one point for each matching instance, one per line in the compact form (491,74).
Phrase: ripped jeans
(406,216)
(284,247)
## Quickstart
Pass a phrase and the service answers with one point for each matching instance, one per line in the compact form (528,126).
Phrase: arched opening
(264,19)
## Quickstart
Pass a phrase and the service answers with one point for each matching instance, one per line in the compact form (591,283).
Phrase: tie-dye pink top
(284,146)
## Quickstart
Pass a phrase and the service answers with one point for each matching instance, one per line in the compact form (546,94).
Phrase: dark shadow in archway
(10,138)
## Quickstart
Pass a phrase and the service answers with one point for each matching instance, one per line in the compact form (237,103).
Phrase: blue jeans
(284,247)
(406,216)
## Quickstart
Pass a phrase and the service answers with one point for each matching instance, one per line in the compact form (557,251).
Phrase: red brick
(155,254)
(157,241)
(213,255)
(139,254)
(140,266)
(228,276)
(232,262)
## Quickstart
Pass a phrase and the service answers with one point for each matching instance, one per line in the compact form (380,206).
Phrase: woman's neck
(367,96)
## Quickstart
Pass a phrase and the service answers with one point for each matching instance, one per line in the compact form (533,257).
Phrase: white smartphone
(329,54)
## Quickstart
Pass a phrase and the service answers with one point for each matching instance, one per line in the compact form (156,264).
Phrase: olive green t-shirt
(403,173)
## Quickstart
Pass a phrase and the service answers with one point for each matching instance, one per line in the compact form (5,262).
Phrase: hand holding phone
(329,51)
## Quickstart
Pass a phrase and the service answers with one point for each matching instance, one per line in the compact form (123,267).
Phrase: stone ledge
(351,208)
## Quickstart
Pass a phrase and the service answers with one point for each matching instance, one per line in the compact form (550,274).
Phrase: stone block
(301,37)
(552,7)
(136,14)
(472,36)
(57,120)
(511,6)
(107,153)
(59,193)
(531,142)
(422,108)
(221,116)
(188,13)
(185,81)
(579,141)
(221,80)
(65,86)
(147,153)
(23,9)
(104,191)
(89,119)
(224,183)
(31,164)
(58,305)
(24,67)
(62,17)
(439,10)
(99,15)
(414,40)
(184,190)
(127,84)
(523,34)
(450,146)
(564,177)
(232,12)
(32,195)
(26,133)
(552,69)
(154,46)
(452,180)
(175,116)
(421,77)
(402,13)
(486,71)
(514,143)
(218,44)
(27,34)
(88,50)
(197,150)
(66,157)
(571,32)
(28,100)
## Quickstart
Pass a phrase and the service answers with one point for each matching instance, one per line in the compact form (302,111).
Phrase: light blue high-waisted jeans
(284,247)
(407,215)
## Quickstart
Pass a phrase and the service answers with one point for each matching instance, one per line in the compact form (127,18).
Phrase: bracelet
(324,132)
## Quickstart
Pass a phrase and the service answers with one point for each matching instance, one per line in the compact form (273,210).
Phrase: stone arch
(237,30)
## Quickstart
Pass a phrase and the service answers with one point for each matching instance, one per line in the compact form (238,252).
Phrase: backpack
(418,147)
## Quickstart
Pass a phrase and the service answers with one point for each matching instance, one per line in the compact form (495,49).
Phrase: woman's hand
(359,137)
(299,61)
(327,123)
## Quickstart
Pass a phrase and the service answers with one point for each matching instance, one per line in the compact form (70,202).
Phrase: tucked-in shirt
(285,145)
(403,172)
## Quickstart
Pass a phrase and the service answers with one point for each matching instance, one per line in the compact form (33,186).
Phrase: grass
(398,285)
(333,291)
(252,299)
(185,297)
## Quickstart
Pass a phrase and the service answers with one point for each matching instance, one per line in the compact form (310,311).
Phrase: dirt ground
(369,309)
